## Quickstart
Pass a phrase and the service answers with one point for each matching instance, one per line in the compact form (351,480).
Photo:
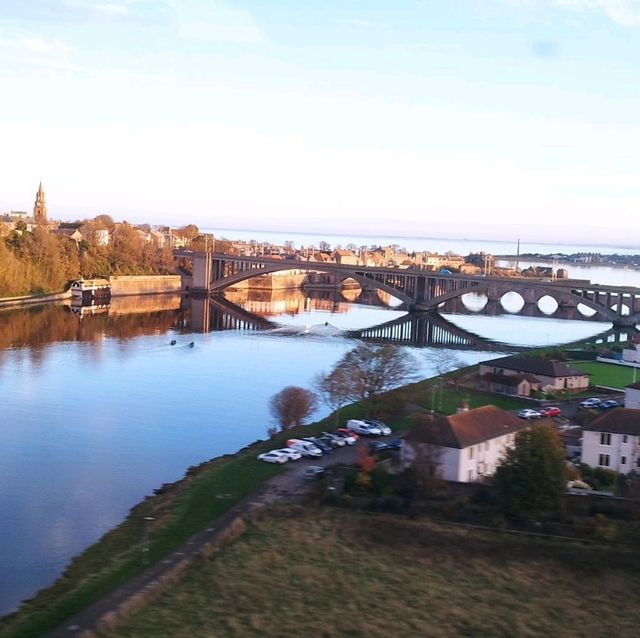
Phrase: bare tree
(444,361)
(367,371)
(292,405)
(332,389)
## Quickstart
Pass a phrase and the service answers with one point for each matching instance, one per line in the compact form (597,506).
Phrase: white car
(528,413)
(360,427)
(338,441)
(290,453)
(349,439)
(273,457)
(305,448)
(385,430)
(593,402)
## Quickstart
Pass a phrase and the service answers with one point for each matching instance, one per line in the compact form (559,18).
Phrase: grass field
(327,573)
(607,374)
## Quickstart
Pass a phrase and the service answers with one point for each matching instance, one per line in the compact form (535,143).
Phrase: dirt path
(282,488)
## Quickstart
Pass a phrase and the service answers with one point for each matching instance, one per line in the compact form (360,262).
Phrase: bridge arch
(533,295)
(365,282)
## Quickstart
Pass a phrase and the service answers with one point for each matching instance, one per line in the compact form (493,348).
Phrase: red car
(344,432)
(550,411)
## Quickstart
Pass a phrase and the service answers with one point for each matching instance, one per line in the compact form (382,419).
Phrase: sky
(489,119)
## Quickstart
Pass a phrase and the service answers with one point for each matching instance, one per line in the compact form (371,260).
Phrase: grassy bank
(180,511)
(188,506)
(608,375)
(317,571)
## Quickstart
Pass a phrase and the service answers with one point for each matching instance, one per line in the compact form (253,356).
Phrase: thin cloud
(35,44)
(623,12)
(216,22)
(110,9)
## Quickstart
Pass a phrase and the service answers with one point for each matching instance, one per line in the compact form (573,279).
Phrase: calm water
(100,410)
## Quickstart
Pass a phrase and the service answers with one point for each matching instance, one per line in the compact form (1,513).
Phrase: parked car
(273,457)
(313,472)
(593,402)
(608,404)
(528,413)
(360,427)
(338,441)
(346,434)
(550,411)
(305,448)
(319,442)
(377,446)
(385,430)
(333,442)
(290,453)
(395,444)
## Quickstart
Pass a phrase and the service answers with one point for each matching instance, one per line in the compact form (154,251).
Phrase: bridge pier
(202,269)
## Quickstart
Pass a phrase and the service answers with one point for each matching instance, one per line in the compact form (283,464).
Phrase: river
(100,409)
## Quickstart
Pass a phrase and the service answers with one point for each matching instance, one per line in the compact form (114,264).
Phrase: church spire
(40,207)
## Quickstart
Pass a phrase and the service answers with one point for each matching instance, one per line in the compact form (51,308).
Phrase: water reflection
(99,408)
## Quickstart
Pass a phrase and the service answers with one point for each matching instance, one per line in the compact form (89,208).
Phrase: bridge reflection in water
(413,329)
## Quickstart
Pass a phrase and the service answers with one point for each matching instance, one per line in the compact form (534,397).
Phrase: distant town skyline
(492,120)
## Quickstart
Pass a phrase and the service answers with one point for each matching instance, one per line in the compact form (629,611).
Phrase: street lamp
(145,538)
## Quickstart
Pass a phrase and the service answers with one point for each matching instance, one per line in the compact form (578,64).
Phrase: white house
(632,396)
(466,446)
(613,441)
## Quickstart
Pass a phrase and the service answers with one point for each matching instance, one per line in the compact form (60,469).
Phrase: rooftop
(534,365)
(617,421)
(467,428)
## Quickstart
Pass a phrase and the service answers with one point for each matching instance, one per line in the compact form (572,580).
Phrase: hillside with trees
(40,261)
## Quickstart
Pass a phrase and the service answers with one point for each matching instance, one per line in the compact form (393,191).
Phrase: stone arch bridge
(426,290)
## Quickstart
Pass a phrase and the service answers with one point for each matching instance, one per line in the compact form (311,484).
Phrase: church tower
(40,208)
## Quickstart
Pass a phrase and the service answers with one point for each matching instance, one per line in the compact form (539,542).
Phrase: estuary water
(98,408)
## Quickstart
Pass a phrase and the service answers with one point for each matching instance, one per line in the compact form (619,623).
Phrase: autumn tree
(292,405)
(367,371)
(531,479)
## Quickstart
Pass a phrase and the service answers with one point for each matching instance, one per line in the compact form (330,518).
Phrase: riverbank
(31,300)
(180,510)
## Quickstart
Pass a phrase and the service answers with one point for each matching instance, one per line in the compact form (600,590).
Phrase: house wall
(632,398)
(576,383)
(592,448)
(632,355)
(482,459)
(463,465)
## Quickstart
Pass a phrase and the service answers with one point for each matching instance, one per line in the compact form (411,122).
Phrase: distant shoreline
(547,259)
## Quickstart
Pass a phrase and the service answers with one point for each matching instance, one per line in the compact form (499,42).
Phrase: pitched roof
(617,421)
(466,428)
(534,365)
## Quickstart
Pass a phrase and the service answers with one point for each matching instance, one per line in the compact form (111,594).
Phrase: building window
(603,460)
(605,438)
(625,438)
(486,445)
(470,452)
(623,460)
(470,475)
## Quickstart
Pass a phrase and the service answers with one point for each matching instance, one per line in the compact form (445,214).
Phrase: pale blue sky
(475,118)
